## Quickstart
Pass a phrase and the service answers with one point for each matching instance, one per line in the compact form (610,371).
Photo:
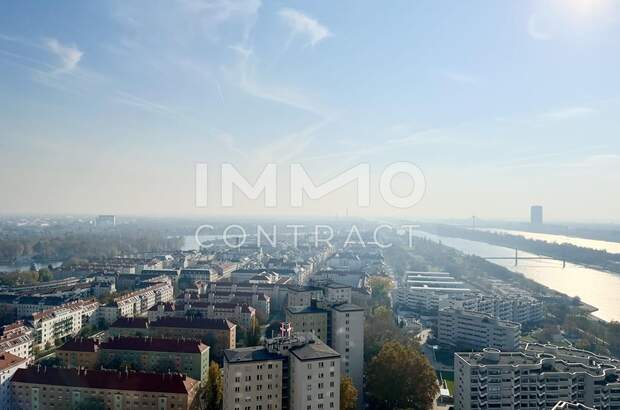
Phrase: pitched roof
(80,345)
(8,360)
(214,324)
(105,379)
(131,322)
(155,344)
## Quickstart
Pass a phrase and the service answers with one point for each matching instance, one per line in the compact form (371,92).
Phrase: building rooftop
(154,344)
(105,379)
(80,344)
(314,350)
(250,354)
(183,322)
(8,360)
(347,307)
(131,322)
(300,310)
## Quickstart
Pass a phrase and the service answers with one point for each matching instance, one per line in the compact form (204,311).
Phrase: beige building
(50,388)
(292,371)
(17,339)
(9,364)
(63,321)
(137,303)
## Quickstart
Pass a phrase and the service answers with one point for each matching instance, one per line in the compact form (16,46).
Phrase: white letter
(266,182)
(200,193)
(197,236)
(419,185)
(375,238)
(301,182)
(357,233)
(410,229)
(316,235)
(243,235)
(295,233)
(261,232)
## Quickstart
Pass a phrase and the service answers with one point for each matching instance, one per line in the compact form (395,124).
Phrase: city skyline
(501,105)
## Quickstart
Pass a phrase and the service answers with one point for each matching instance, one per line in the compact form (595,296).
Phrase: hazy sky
(107,106)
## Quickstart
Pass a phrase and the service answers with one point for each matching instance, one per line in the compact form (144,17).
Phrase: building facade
(469,330)
(535,378)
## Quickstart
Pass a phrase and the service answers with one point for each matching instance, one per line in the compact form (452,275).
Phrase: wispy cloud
(68,55)
(461,78)
(301,24)
(570,113)
(535,29)
(143,104)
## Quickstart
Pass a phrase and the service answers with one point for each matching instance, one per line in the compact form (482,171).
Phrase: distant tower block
(536,215)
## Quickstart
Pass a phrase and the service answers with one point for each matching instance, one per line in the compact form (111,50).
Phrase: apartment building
(79,353)
(17,339)
(469,330)
(186,356)
(189,276)
(218,334)
(564,405)
(424,291)
(240,314)
(138,302)
(332,317)
(62,321)
(536,378)
(259,301)
(291,371)
(519,308)
(45,388)
(9,363)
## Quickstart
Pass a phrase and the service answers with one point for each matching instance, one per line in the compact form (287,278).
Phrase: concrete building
(17,339)
(62,321)
(291,371)
(564,405)
(189,276)
(218,334)
(469,330)
(535,378)
(185,356)
(242,315)
(137,303)
(48,388)
(424,291)
(536,215)
(9,364)
(333,319)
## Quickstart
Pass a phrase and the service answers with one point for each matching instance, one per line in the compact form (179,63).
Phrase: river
(610,247)
(594,287)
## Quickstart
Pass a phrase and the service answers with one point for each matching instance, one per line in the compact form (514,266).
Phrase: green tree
(45,275)
(400,377)
(214,388)
(381,287)
(348,394)
(379,327)
(252,334)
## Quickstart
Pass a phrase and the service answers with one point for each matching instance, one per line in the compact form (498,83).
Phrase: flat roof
(314,350)
(250,354)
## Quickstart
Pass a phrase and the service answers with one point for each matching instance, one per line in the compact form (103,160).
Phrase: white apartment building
(137,303)
(347,338)
(17,339)
(469,330)
(518,308)
(425,291)
(9,364)
(62,321)
(292,371)
(536,378)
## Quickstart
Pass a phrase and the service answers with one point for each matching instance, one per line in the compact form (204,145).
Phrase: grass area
(448,379)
